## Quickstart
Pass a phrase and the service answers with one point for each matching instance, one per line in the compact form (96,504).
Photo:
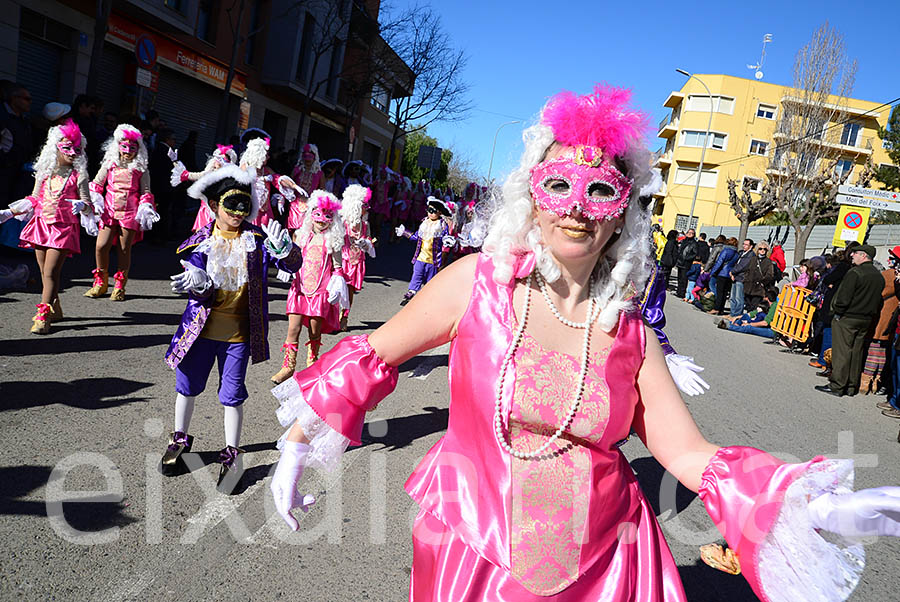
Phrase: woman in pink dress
(223,155)
(401,205)
(355,215)
(380,206)
(60,197)
(318,291)
(307,175)
(418,205)
(527,496)
(121,190)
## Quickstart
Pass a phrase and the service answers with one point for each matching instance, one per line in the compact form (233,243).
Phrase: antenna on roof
(762,59)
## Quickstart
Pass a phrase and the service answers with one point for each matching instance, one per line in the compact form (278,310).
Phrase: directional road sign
(871,193)
(851,225)
(858,201)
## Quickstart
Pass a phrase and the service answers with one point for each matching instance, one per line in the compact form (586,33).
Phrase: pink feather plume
(368,196)
(603,119)
(71,131)
(224,148)
(326,202)
(131,134)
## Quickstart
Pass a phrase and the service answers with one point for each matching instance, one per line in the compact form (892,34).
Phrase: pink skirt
(295,216)
(315,305)
(203,218)
(445,569)
(38,233)
(354,273)
(128,223)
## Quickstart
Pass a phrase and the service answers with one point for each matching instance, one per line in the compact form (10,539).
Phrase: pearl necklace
(589,318)
(510,353)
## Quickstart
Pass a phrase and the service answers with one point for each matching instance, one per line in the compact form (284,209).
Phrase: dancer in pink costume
(381,199)
(401,206)
(355,215)
(318,291)
(121,191)
(527,496)
(418,207)
(269,186)
(59,200)
(223,155)
(307,175)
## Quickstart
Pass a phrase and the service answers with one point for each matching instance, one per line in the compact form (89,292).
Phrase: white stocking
(184,408)
(234,419)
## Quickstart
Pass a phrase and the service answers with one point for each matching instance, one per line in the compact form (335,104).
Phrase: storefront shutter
(38,69)
(186,104)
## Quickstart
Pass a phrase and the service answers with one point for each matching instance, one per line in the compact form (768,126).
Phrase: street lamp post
(705,143)
(494,146)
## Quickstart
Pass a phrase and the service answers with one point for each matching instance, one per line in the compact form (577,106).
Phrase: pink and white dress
(264,185)
(308,295)
(353,259)
(381,203)
(308,181)
(53,225)
(124,189)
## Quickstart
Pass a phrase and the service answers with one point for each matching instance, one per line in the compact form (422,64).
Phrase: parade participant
(269,186)
(529,497)
(318,291)
(226,318)
(430,246)
(223,155)
(331,180)
(59,199)
(355,215)
(470,235)
(121,191)
(381,199)
(418,206)
(401,206)
(353,173)
(308,176)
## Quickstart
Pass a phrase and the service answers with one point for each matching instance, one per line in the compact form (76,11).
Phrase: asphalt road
(86,410)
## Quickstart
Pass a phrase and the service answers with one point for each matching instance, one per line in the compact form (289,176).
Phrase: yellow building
(743,143)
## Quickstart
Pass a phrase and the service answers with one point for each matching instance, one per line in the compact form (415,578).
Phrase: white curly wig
(111,149)
(334,236)
(256,154)
(225,158)
(316,164)
(48,159)
(353,201)
(625,265)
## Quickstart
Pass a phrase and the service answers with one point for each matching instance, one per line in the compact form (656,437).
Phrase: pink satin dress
(53,225)
(308,295)
(353,259)
(309,182)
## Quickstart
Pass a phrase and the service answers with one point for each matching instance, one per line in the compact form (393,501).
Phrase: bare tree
(460,171)
(745,208)
(807,165)
(436,70)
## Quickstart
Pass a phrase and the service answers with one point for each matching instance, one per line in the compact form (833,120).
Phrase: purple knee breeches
(193,371)
(422,273)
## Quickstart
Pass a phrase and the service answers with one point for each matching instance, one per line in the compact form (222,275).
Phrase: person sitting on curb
(758,324)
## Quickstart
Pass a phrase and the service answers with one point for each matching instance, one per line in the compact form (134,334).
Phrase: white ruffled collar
(226,259)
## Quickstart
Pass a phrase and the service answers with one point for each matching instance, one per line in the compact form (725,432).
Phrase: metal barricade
(794,314)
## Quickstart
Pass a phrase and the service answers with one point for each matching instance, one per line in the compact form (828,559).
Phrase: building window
(765,111)
(681,222)
(206,21)
(688,176)
(806,163)
(887,145)
(759,147)
(307,40)
(380,98)
(752,184)
(694,138)
(720,104)
(841,167)
(815,128)
(46,29)
(176,5)
(850,134)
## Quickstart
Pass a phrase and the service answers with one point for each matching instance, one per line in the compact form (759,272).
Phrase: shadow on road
(706,584)
(52,345)
(365,325)
(84,393)
(397,433)
(650,474)
(423,364)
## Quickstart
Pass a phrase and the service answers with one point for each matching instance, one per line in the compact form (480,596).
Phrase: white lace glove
(858,514)
(172,154)
(278,199)
(278,241)
(191,280)
(284,482)
(90,223)
(98,202)
(22,210)
(146,216)
(400,230)
(685,374)
(5,215)
(449,242)
(77,206)
(365,245)
(179,174)
(284,276)
(337,291)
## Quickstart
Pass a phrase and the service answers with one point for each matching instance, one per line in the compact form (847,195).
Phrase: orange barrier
(794,314)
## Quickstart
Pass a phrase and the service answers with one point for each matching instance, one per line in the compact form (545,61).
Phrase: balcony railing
(665,121)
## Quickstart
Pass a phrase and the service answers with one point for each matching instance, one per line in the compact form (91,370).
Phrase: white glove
(400,230)
(449,242)
(77,206)
(172,154)
(337,291)
(146,216)
(278,199)
(191,280)
(284,276)
(284,482)
(365,245)
(287,187)
(90,223)
(858,514)
(5,215)
(22,209)
(278,241)
(684,373)
(178,174)
(98,202)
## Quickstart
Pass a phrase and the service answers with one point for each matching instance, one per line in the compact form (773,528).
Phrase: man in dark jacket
(687,253)
(856,303)
(738,272)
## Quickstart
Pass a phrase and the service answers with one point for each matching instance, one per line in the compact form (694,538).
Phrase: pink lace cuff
(147,197)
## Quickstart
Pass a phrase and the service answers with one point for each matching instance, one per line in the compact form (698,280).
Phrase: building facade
(173,56)
(746,143)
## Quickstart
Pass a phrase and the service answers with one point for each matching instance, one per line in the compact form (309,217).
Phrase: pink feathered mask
(600,126)
(70,144)
(324,207)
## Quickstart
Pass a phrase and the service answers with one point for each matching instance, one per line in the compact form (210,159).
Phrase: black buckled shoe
(172,463)
(231,471)
(829,390)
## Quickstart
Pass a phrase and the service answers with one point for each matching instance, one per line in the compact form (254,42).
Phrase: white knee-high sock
(234,419)
(184,408)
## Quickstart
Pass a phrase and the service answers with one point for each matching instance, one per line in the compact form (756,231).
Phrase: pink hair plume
(368,196)
(603,119)
(71,131)
(326,201)
(131,134)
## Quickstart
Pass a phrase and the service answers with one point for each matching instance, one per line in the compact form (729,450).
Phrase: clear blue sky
(521,53)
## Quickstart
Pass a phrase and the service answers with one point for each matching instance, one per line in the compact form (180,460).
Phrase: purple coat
(652,304)
(437,244)
(199,306)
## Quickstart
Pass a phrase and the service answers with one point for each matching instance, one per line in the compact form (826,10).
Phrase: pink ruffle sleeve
(759,505)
